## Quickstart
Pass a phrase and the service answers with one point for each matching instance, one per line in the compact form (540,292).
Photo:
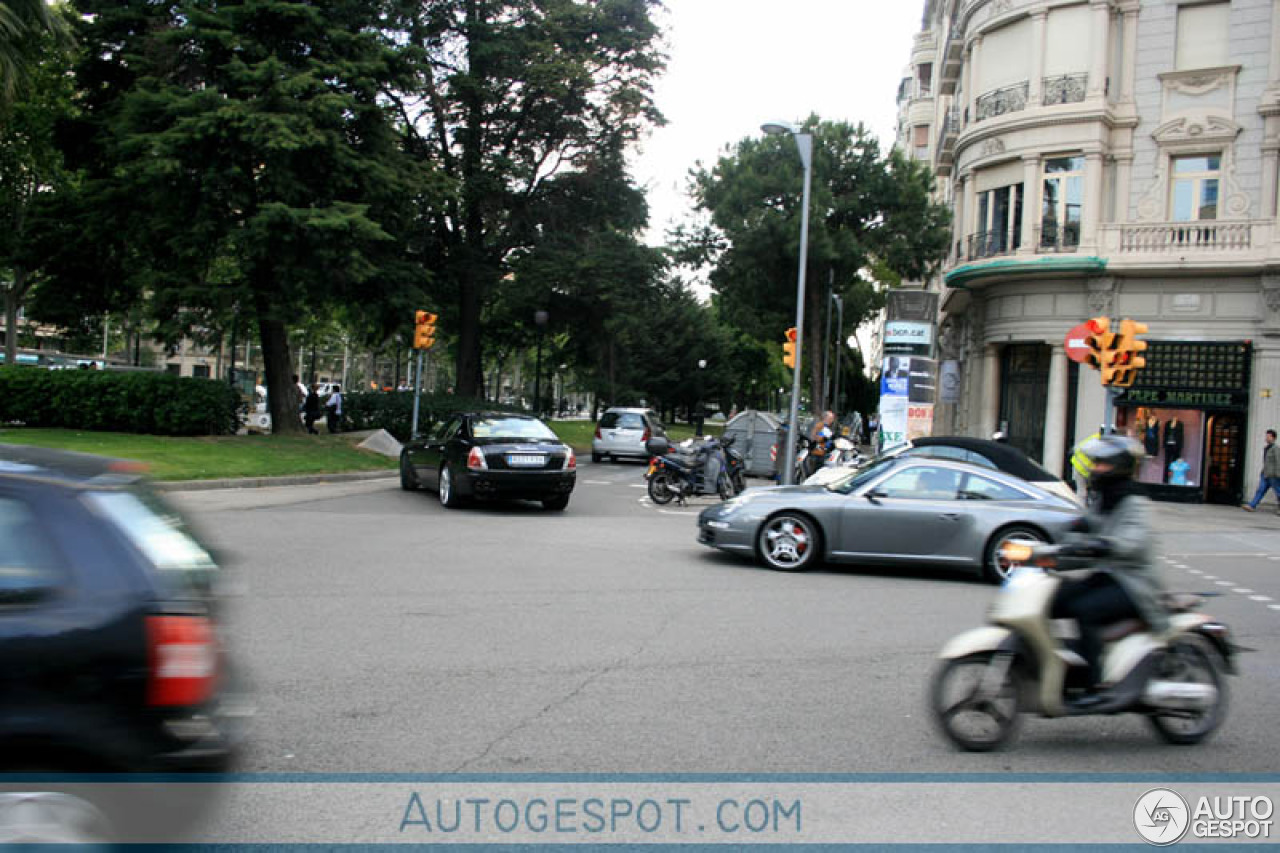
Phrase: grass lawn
(210,457)
(578,434)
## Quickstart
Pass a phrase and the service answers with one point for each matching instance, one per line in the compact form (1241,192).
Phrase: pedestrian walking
(333,409)
(311,409)
(1270,474)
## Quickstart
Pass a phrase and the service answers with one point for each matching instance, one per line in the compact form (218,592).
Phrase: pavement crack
(577,691)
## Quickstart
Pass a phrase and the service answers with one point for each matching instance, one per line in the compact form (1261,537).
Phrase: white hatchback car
(622,433)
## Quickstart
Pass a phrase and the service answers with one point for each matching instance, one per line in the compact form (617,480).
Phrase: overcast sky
(735,64)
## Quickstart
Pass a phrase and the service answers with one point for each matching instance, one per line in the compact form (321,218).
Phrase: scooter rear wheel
(660,488)
(1190,659)
(972,723)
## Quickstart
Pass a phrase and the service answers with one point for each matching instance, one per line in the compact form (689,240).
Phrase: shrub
(393,411)
(133,401)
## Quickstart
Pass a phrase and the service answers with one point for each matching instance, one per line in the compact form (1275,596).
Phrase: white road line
(1195,571)
(639,485)
(1274,606)
(1225,583)
(1242,591)
(1259,598)
(1211,577)
(597,482)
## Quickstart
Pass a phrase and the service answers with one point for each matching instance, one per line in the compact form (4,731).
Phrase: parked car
(900,510)
(622,432)
(989,454)
(491,455)
(112,646)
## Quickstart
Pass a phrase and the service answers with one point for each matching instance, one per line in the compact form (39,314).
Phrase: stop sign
(1077,343)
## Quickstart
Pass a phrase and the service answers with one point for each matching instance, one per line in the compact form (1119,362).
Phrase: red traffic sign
(1077,343)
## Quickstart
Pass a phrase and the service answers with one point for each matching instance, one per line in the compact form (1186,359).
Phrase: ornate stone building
(1116,157)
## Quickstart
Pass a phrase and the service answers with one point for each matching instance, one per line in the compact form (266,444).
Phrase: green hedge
(393,410)
(127,401)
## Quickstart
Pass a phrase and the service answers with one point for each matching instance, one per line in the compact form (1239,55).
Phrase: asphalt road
(387,634)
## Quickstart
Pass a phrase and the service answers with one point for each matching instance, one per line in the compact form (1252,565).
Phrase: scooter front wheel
(660,488)
(976,700)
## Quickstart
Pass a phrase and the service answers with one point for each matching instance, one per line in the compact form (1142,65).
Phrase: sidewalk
(1213,518)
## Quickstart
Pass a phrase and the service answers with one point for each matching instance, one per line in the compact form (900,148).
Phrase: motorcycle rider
(820,437)
(1116,534)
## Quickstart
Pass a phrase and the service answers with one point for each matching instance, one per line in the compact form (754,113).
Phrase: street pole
(417,394)
(826,343)
(839,349)
(804,142)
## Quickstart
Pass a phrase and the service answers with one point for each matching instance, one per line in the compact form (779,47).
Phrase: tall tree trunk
(12,301)
(277,368)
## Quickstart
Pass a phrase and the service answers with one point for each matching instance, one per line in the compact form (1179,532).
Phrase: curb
(267,482)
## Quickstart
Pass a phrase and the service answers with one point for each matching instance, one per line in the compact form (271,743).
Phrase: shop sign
(907,338)
(1189,399)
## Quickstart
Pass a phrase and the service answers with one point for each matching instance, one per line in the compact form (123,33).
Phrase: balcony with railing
(946,148)
(951,65)
(1200,236)
(1052,236)
(990,244)
(1009,99)
(1064,89)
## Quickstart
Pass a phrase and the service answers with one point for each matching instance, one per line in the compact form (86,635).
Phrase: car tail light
(571,461)
(475,460)
(646,435)
(598,435)
(182,655)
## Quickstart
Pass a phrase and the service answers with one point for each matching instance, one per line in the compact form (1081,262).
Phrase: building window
(925,76)
(1203,36)
(200,371)
(174,369)
(1062,204)
(920,141)
(999,222)
(1194,194)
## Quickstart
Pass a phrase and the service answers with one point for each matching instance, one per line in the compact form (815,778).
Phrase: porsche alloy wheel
(789,542)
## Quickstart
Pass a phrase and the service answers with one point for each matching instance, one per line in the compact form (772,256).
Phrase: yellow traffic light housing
(1128,352)
(789,348)
(424,329)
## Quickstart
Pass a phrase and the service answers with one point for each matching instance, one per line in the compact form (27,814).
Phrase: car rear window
(622,420)
(511,428)
(160,534)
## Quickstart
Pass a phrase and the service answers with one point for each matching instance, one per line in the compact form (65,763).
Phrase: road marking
(1242,591)
(1225,583)
(1259,598)
(1211,577)
(1274,606)
(1195,571)
(639,485)
(597,482)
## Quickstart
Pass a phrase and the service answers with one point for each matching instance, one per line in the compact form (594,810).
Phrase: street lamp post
(804,144)
(697,415)
(839,349)
(540,319)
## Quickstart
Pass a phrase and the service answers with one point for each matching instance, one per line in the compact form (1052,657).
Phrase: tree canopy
(871,219)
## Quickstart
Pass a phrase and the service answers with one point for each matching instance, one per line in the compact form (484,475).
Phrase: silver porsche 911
(904,510)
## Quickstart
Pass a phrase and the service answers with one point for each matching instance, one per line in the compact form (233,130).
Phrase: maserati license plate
(527,460)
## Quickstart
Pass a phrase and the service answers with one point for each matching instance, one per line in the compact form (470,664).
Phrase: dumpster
(754,435)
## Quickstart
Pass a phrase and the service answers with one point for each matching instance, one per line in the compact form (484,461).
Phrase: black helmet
(1105,460)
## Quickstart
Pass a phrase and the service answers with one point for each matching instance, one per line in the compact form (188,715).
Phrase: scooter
(1015,665)
(699,470)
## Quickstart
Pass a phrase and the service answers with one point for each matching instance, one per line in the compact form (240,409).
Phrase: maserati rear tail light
(475,460)
(571,461)
(182,657)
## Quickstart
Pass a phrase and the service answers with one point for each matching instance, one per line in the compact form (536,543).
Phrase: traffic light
(1128,360)
(424,330)
(1102,348)
(789,348)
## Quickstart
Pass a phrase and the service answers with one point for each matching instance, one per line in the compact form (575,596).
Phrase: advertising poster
(922,381)
(919,420)
(949,382)
(893,421)
(902,337)
(895,375)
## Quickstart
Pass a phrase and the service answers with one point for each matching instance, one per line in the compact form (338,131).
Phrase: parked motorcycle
(991,675)
(843,457)
(693,469)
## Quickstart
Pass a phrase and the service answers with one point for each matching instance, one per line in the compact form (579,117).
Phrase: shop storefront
(1189,410)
